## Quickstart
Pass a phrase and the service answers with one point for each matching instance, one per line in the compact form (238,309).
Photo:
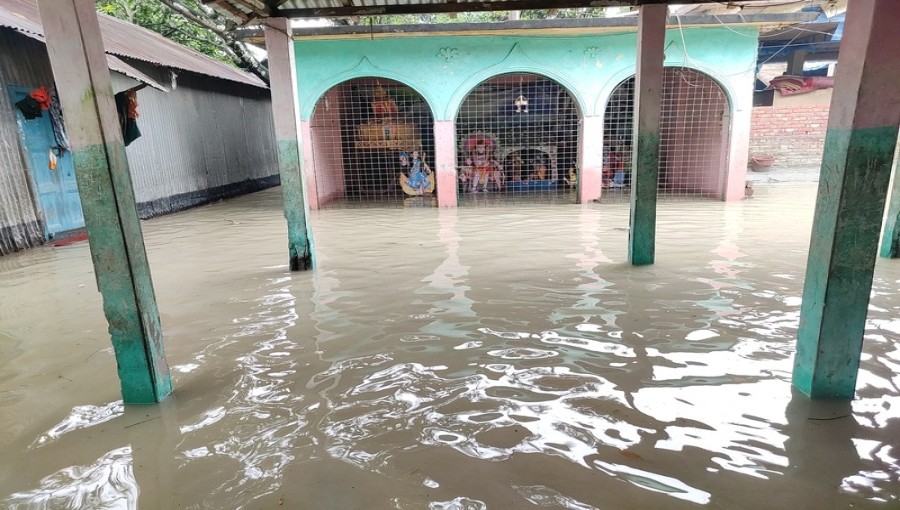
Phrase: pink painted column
(312,195)
(445,162)
(590,159)
(738,151)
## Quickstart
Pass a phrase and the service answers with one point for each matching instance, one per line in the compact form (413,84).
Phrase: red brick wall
(795,135)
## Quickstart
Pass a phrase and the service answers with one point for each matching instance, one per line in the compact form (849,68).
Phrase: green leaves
(153,15)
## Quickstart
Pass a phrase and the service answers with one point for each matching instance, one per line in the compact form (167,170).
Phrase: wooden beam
(258,8)
(232,10)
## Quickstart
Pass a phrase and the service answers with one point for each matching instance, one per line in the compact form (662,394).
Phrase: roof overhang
(248,11)
(113,62)
(125,40)
(569,26)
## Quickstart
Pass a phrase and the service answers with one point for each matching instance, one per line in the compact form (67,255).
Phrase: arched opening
(517,141)
(694,123)
(372,145)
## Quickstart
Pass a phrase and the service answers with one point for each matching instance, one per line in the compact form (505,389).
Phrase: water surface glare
(479,358)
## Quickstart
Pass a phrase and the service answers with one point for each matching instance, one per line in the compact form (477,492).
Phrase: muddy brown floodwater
(497,358)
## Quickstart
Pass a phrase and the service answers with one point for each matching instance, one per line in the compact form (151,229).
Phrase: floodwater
(449,359)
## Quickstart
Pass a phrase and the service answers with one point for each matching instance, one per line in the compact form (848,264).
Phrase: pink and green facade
(588,63)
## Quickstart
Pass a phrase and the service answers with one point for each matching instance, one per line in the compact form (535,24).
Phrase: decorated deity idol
(382,104)
(416,177)
(481,165)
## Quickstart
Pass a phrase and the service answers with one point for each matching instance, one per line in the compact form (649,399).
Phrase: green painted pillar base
(122,272)
(852,191)
(648,83)
(642,234)
(299,243)
(302,262)
(75,49)
(856,170)
(890,242)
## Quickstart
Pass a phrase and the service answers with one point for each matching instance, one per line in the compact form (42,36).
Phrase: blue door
(56,189)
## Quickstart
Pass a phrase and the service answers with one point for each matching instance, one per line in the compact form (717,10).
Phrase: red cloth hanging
(42,96)
(131,97)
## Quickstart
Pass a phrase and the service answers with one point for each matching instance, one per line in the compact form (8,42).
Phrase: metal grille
(517,142)
(373,146)
(694,120)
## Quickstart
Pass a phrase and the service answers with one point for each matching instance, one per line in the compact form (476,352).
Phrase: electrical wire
(691,60)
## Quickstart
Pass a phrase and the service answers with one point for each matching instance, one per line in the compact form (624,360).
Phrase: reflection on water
(106,484)
(452,359)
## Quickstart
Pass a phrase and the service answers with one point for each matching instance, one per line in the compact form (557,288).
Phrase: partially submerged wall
(20,221)
(203,141)
(444,68)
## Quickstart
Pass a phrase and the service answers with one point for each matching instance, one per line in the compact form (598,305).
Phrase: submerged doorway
(366,136)
(517,141)
(694,122)
(56,188)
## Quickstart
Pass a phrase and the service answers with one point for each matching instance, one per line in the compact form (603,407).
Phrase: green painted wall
(444,69)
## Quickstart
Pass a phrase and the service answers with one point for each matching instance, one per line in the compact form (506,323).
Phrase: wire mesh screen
(517,142)
(373,146)
(694,119)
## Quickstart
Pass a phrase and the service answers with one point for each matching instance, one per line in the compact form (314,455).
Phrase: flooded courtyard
(479,358)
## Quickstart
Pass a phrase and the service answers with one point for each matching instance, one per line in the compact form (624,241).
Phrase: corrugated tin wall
(19,217)
(205,140)
(208,139)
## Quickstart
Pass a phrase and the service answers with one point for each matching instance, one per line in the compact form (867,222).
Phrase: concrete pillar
(445,162)
(856,167)
(282,78)
(645,164)
(737,136)
(311,174)
(890,241)
(590,159)
(75,47)
(795,63)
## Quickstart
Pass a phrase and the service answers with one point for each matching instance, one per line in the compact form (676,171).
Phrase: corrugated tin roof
(126,40)
(30,29)
(117,65)
(245,11)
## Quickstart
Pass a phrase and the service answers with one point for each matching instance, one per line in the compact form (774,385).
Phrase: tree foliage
(187,22)
(153,15)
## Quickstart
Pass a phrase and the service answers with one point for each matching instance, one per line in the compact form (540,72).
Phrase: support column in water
(75,47)
(282,82)
(856,168)
(645,164)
